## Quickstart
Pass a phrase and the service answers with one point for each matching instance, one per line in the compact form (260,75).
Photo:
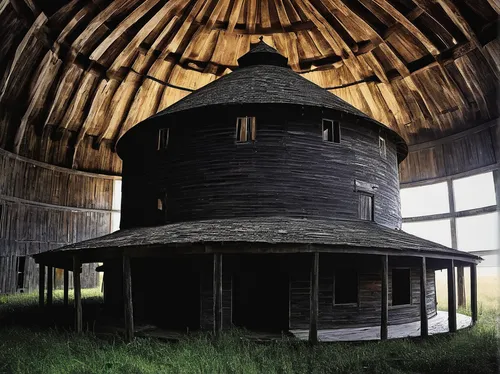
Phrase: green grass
(54,350)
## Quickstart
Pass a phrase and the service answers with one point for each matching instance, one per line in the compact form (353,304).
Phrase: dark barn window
(163,137)
(346,287)
(21,263)
(366,207)
(401,286)
(382,147)
(245,129)
(331,131)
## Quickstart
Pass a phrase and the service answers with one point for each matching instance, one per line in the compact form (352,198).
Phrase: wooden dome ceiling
(75,75)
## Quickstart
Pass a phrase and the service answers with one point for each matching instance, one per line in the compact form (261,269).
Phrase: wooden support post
(424,323)
(41,285)
(217,293)
(128,308)
(461,299)
(50,284)
(473,292)
(452,308)
(66,287)
(78,295)
(313,317)
(385,298)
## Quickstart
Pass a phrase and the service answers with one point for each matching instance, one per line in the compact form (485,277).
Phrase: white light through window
(438,231)
(425,200)
(474,192)
(478,232)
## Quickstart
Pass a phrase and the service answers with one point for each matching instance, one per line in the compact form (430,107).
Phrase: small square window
(401,286)
(346,287)
(163,137)
(331,131)
(245,129)
(382,147)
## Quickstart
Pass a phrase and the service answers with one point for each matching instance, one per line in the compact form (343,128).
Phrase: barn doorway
(261,293)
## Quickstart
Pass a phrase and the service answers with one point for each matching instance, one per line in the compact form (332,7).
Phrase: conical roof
(263,77)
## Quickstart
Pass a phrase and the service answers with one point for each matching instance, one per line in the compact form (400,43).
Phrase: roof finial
(261,38)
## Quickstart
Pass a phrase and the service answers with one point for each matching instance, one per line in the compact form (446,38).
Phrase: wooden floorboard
(437,325)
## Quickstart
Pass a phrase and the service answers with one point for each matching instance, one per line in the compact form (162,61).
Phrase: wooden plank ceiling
(75,75)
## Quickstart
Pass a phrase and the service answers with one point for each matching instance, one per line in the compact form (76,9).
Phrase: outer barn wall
(45,207)
(288,171)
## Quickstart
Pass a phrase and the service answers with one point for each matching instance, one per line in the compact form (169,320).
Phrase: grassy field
(38,349)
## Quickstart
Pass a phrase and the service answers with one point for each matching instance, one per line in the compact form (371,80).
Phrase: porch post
(41,285)
(452,309)
(217,293)
(385,298)
(473,292)
(66,287)
(313,317)
(78,294)
(128,308)
(50,284)
(424,323)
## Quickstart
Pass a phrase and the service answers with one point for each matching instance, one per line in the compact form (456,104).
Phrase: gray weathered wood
(217,292)
(452,308)
(78,295)
(385,298)
(313,323)
(128,308)
(424,325)
(473,292)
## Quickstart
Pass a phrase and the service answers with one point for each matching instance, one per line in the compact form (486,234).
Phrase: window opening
(366,207)
(331,131)
(345,287)
(245,129)
(401,286)
(163,138)
(382,147)
(21,263)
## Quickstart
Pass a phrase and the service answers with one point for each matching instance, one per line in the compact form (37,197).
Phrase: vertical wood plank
(314,298)
(424,324)
(66,287)
(385,298)
(473,292)
(461,299)
(217,289)
(50,284)
(452,309)
(78,294)
(127,300)
(41,285)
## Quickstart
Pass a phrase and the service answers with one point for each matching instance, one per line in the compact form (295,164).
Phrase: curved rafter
(79,74)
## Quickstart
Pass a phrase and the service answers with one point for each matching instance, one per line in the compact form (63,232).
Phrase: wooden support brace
(424,323)
(128,308)
(50,284)
(66,287)
(385,298)
(41,285)
(313,317)
(452,308)
(217,290)
(473,292)
(78,295)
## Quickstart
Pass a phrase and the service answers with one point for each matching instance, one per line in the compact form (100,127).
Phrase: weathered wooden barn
(76,76)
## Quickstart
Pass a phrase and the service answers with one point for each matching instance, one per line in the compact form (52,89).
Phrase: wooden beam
(385,298)
(50,284)
(464,213)
(424,323)
(452,308)
(41,285)
(473,292)
(314,298)
(217,293)
(66,287)
(78,295)
(128,308)
(461,298)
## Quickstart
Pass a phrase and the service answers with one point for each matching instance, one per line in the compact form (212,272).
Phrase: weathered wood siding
(288,171)
(45,207)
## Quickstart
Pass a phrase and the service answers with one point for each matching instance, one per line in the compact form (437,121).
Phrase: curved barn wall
(288,171)
(44,207)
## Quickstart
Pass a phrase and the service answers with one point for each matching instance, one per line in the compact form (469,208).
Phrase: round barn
(264,201)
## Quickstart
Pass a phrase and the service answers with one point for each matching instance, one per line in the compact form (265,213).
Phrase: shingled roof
(360,236)
(265,78)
